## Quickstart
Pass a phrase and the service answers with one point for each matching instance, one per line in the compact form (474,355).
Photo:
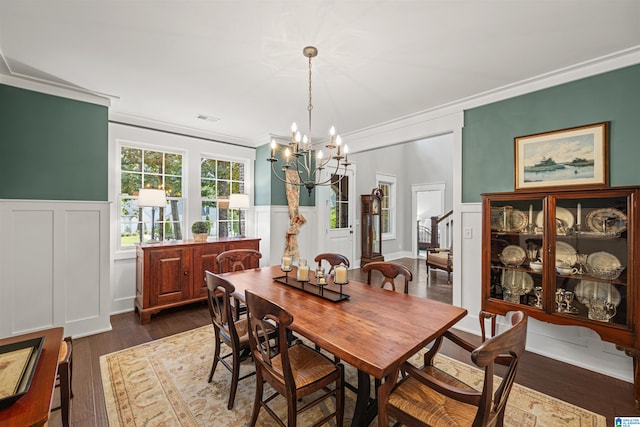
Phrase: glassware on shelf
(538,293)
(601,310)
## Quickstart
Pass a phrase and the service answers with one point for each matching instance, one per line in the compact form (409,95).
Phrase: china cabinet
(568,258)
(371,241)
(170,274)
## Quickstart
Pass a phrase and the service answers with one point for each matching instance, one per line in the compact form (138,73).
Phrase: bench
(441,259)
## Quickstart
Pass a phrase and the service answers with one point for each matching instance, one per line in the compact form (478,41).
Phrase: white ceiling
(241,61)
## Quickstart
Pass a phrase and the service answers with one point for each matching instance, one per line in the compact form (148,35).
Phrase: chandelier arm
(273,169)
(335,172)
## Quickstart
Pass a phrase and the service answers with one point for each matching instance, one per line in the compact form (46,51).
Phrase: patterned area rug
(164,383)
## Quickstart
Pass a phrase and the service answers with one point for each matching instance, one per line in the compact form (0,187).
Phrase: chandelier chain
(298,155)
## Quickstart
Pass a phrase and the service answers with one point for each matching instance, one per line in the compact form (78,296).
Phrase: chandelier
(298,155)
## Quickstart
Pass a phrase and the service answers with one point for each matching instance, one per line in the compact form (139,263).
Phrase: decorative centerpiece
(200,231)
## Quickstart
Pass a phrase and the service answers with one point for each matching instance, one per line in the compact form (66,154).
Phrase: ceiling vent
(208,118)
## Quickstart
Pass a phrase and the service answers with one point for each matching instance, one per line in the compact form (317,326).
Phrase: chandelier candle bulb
(273,148)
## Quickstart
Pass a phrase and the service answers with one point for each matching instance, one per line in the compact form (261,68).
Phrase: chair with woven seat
(293,372)
(390,270)
(238,259)
(227,329)
(332,259)
(63,379)
(431,397)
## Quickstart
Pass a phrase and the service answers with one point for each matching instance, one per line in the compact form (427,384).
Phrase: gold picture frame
(569,158)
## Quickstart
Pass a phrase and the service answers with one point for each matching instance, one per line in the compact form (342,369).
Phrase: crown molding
(436,120)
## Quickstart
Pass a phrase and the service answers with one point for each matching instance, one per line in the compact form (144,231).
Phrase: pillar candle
(341,274)
(286,261)
(303,273)
(579,214)
(531,214)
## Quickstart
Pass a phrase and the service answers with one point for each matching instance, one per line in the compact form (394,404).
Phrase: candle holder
(340,276)
(302,274)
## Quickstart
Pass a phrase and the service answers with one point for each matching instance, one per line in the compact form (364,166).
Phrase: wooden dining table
(374,330)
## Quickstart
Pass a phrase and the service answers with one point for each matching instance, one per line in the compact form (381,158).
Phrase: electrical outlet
(468,233)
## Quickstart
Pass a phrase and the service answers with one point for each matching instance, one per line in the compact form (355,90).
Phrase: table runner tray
(20,360)
(313,289)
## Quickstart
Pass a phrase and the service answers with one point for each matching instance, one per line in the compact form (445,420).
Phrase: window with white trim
(339,213)
(388,185)
(147,168)
(218,180)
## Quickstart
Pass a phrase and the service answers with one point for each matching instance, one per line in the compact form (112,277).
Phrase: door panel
(336,216)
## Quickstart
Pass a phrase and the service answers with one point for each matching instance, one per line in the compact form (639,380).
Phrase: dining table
(372,329)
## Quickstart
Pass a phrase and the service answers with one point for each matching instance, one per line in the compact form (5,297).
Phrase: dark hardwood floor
(592,391)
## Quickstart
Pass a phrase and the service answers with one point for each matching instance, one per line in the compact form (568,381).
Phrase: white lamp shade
(239,201)
(152,198)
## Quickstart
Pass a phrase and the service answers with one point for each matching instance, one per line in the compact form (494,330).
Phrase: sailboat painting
(572,157)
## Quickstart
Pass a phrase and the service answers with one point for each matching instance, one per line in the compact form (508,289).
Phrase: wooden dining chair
(332,259)
(238,259)
(227,329)
(390,270)
(293,372)
(63,380)
(428,396)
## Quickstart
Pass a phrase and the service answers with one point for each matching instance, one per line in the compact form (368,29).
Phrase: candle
(531,214)
(286,261)
(322,281)
(579,214)
(273,148)
(303,273)
(341,274)
(609,294)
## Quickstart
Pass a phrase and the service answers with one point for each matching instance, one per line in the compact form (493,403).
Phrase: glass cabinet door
(591,258)
(517,254)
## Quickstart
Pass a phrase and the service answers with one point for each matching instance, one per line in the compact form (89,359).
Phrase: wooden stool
(63,381)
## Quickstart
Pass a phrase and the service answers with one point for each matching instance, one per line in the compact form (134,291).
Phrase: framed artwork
(568,158)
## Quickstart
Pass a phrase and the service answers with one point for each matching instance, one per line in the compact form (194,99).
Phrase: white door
(336,215)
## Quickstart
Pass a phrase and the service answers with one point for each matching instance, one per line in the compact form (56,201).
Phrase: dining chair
(429,396)
(390,270)
(238,259)
(63,379)
(293,372)
(228,330)
(332,259)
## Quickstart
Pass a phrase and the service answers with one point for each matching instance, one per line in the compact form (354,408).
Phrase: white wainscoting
(54,266)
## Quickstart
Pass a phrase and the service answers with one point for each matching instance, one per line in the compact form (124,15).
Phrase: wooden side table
(33,408)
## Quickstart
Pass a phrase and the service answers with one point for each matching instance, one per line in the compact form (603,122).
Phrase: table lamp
(239,201)
(151,198)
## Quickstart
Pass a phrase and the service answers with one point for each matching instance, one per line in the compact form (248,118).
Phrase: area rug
(164,383)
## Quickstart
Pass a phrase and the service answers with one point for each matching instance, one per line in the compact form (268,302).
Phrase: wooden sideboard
(170,274)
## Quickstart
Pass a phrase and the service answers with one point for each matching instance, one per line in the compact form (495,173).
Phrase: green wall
(489,131)
(269,189)
(52,148)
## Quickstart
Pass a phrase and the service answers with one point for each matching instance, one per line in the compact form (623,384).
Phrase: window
(387,183)
(339,214)
(145,168)
(218,180)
